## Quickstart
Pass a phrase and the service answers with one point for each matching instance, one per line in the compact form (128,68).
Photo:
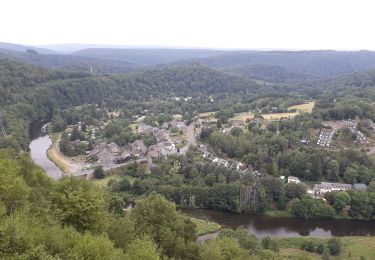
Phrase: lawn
(277,116)
(353,247)
(304,108)
(177,117)
(116,177)
(205,227)
(243,116)
(134,127)
(278,213)
(207,114)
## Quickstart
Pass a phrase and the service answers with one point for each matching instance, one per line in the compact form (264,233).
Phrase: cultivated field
(304,108)
(277,116)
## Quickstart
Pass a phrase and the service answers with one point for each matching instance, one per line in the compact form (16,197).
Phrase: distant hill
(147,57)
(326,64)
(69,62)
(23,48)
(270,73)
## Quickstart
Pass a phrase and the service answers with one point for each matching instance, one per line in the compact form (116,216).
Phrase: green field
(205,227)
(116,177)
(277,116)
(353,247)
(207,114)
(243,116)
(304,108)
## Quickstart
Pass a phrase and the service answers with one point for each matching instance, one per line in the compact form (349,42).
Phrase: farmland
(304,108)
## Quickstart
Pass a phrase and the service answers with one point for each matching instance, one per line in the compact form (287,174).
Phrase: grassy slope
(353,247)
(205,227)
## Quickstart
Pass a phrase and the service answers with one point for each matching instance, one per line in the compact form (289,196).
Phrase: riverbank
(54,155)
(69,166)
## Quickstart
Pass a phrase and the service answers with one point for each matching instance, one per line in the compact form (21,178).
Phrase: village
(175,137)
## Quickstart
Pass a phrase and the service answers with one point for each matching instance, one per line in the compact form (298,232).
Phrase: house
(237,122)
(113,148)
(359,186)
(324,187)
(293,179)
(169,146)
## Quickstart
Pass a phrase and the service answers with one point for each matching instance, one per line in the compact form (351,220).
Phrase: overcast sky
(283,24)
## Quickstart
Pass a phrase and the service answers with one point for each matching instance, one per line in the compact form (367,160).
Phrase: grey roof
(359,186)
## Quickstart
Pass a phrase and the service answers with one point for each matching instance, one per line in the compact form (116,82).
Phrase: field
(134,127)
(277,116)
(353,247)
(207,114)
(243,116)
(177,117)
(104,182)
(304,108)
(205,227)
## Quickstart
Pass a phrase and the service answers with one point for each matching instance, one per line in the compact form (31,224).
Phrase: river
(262,226)
(38,150)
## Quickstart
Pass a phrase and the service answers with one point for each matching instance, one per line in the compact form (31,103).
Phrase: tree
(333,170)
(360,205)
(99,172)
(295,190)
(334,246)
(142,248)
(341,200)
(78,204)
(223,249)
(350,175)
(174,233)
(121,231)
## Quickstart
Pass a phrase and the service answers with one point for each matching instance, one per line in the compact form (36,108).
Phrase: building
(293,179)
(325,137)
(324,187)
(359,186)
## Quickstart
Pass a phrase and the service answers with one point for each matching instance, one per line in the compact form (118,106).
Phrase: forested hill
(318,63)
(23,48)
(69,62)
(271,73)
(147,57)
(192,79)
(17,77)
(32,93)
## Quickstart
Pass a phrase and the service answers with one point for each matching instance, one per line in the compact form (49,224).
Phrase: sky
(228,24)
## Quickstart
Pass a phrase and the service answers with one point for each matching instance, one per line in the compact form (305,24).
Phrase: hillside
(318,63)
(23,48)
(147,56)
(69,62)
(270,73)
(30,92)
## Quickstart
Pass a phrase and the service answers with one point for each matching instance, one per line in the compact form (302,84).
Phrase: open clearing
(243,116)
(304,108)
(207,114)
(352,247)
(205,227)
(134,127)
(277,116)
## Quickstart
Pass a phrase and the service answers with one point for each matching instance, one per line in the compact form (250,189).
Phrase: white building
(293,179)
